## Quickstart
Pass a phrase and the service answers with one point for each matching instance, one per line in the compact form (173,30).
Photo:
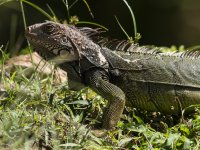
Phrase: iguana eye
(48,28)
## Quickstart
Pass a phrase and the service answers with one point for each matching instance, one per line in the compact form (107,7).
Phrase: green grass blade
(38,8)
(88,7)
(133,17)
(25,25)
(65,2)
(92,23)
(73,4)
(5,1)
(23,14)
(54,18)
(123,29)
(194,48)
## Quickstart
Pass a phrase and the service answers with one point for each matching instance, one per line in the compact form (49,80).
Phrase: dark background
(160,22)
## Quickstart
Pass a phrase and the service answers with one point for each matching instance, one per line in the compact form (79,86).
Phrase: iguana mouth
(29,31)
(50,47)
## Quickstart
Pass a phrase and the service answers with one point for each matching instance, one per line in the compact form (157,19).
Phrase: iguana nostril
(28,29)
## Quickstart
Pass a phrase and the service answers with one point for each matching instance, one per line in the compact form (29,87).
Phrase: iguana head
(55,39)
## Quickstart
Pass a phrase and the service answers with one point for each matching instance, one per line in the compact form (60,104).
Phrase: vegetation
(34,112)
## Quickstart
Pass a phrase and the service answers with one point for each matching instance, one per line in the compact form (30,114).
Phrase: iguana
(140,76)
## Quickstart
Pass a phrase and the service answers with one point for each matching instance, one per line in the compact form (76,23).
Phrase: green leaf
(79,118)
(124,141)
(81,102)
(184,129)
(172,139)
(139,120)
(187,143)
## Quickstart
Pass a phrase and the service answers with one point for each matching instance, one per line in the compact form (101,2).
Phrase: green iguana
(142,77)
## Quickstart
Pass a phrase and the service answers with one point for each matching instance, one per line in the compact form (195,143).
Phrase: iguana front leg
(98,80)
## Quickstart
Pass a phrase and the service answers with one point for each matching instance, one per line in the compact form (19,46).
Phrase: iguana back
(166,82)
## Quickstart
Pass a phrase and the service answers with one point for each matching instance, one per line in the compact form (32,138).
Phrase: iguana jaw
(51,45)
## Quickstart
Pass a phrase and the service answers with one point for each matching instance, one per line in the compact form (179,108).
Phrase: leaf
(124,141)
(172,140)
(184,129)
(81,102)
(139,120)
(79,118)
(186,143)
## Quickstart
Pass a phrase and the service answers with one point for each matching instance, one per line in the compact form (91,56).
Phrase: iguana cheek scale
(139,76)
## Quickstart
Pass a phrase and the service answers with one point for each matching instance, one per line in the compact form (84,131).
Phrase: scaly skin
(144,77)
(157,82)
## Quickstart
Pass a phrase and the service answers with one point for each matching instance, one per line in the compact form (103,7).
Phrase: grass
(34,112)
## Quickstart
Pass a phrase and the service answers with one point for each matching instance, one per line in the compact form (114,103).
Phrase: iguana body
(157,82)
(140,76)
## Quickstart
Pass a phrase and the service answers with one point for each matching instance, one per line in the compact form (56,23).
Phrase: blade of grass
(39,9)
(130,38)
(1,3)
(194,48)
(86,3)
(2,62)
(133,17)
(92,23)
(25,26)
(23,14)
(73,4)
(54,18)
(88,7)
(65,2)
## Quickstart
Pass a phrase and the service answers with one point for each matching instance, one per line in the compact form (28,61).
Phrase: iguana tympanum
(142,77)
